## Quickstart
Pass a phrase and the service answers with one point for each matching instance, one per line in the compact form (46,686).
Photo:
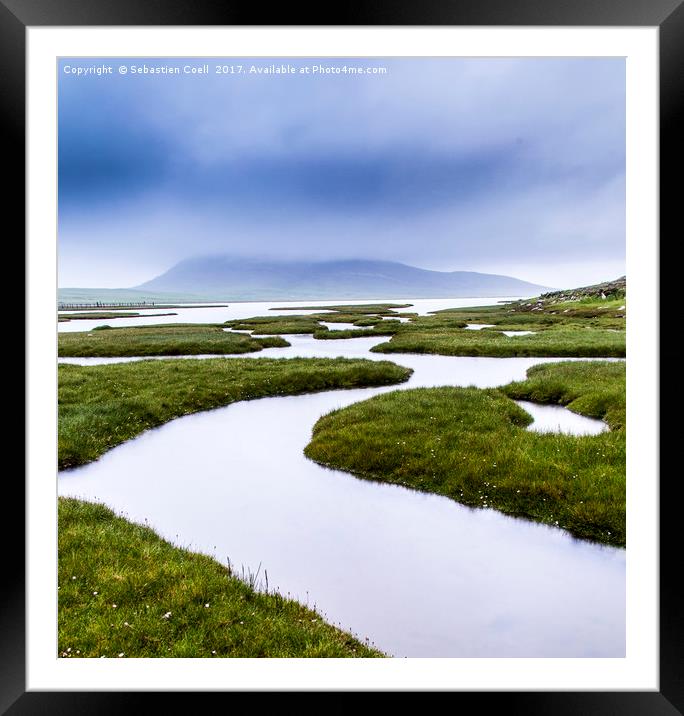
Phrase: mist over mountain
(230,278)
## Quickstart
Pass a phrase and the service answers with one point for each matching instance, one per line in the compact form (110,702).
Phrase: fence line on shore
(99,304)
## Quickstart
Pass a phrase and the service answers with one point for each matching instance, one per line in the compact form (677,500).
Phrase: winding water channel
(417,574)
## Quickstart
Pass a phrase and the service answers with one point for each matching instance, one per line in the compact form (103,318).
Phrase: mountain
(228,278)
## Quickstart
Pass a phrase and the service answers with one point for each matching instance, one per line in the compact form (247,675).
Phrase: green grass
(124,591)
(557,342)
(596,389)
(365,322)
(102,406)
(512,319)
(173,339)
(274,325)
(96,315)
(384,328)
(471,445)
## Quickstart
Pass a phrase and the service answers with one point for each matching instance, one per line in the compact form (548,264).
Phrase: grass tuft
(172,340)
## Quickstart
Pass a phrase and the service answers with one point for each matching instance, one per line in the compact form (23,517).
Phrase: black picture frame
(668,15)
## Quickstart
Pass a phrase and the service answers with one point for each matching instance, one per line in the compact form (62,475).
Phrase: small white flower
(167,615)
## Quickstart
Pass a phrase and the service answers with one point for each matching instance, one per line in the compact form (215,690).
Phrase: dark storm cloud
(108,160)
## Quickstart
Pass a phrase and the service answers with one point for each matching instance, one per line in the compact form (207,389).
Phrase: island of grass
(160,591)
(472,445)
(385,328)
(162,340)
(102,406)
(125,592)
(105,315)
(276,325)
(555,341)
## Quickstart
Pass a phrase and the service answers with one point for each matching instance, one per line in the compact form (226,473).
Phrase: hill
(228,278)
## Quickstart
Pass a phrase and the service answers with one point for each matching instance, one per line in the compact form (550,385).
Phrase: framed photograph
(342,330)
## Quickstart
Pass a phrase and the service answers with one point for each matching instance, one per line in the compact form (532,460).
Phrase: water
(418,574)
(251,309)
(342,326)
(556,419)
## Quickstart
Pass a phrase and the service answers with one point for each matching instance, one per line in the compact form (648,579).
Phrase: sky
(513,166)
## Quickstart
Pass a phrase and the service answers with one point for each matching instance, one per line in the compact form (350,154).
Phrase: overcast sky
(513,166)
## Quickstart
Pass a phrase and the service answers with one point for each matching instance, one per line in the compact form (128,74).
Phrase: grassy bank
(124,591)
(102,406)
(275,325)
(471,445)
(384,328)
(170,340)
(596,389)
(555,342)
(105,315)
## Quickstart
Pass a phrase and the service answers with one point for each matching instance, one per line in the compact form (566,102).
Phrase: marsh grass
(125,592)
(472,445)
(102,406)
(171,339)
(381,329)
(96,315)
(557,342)
(596,389)
(274,325)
